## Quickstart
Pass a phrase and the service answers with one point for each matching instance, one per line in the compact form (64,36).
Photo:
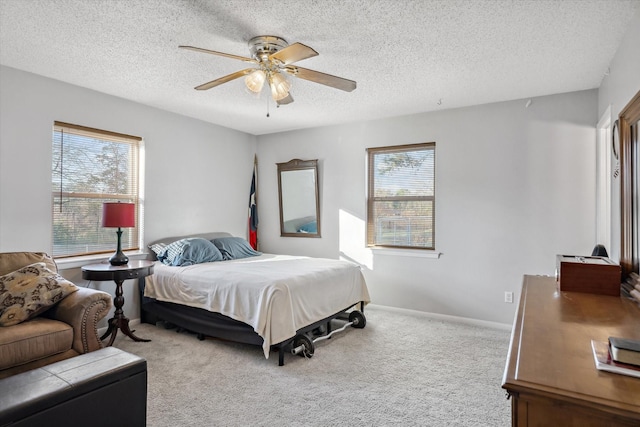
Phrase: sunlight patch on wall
(352,240)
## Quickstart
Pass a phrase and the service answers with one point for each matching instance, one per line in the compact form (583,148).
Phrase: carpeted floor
(403,368)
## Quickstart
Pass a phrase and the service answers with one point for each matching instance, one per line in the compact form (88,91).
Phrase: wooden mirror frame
(292,166)
(629,187)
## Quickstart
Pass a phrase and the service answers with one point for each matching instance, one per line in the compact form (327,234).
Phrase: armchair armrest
(83,310)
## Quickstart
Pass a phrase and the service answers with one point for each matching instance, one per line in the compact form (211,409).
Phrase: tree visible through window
(90,167)
(401,196)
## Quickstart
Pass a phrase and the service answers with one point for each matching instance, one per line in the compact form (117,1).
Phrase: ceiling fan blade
(225,79)
(285,101)
(293,53)
(213,52)
(322,78)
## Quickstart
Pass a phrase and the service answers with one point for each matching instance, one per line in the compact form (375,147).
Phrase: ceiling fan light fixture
(272,57)
(255,81)
(280,86)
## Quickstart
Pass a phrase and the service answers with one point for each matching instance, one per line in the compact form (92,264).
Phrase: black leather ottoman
(107,387)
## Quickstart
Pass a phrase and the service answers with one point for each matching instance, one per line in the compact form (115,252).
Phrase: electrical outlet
(508,296)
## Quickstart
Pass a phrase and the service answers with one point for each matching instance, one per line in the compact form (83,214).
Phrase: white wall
(514,187)
(616,90)
(623,79)
(197,175)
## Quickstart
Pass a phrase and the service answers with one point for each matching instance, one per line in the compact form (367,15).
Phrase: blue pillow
(189,251)
(310,227)
(234,248)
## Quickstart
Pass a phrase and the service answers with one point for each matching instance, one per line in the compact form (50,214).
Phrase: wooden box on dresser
(550,373)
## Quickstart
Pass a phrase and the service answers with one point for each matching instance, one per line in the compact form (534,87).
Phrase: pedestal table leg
(119,320)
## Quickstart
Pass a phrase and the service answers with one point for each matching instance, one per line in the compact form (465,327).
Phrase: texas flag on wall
(253,208)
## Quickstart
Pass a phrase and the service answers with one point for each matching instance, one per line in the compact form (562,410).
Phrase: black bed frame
(206,323)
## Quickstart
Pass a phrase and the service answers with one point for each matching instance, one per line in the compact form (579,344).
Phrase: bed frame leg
(281,356)
(146,317)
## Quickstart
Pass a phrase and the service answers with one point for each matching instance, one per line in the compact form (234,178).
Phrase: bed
(279,302)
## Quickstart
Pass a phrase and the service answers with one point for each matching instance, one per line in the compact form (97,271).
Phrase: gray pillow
(189,251)
(234,248)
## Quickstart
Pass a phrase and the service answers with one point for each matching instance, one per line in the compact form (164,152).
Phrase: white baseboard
(467,320)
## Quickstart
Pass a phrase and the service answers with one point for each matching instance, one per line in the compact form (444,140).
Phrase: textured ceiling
(407,56)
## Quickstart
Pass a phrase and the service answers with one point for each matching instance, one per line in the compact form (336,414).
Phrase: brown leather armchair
(67,329)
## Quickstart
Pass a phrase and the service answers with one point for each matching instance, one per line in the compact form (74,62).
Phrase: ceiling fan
(273,58)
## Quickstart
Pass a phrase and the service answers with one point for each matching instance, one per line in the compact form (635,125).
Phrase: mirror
(299,202)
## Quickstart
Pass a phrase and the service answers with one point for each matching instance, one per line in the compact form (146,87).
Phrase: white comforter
(275,294)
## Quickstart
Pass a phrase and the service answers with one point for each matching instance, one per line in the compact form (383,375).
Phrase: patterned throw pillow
(29,291)
(158,248)
(189,251)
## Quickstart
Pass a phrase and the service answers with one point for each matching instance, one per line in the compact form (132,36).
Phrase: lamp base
(119,258)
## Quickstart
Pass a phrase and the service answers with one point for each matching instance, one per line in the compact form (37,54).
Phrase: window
(90,167)
(401,196)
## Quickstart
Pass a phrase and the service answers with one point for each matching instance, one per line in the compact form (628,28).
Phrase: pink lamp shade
(118,214)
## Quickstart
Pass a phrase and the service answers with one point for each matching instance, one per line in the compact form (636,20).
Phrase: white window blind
(401,196)
(90,167)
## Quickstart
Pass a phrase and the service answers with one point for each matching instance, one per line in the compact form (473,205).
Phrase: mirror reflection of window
(298,191)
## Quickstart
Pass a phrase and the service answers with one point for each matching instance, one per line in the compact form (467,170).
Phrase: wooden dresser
(550,373)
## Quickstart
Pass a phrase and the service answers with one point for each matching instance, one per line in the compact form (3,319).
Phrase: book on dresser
(604,361)
(625,350)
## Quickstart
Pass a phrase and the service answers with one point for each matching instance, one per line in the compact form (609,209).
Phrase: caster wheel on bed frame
(358,319)
(306,344)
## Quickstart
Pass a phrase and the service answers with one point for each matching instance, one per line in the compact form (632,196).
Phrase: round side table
(118,273)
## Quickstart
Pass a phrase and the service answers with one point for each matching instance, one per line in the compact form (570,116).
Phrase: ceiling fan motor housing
(263,46)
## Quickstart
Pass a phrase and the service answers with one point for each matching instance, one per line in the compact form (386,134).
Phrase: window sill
(418,253)
(79,261)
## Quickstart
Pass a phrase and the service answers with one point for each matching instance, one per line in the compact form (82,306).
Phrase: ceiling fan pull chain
(267,106)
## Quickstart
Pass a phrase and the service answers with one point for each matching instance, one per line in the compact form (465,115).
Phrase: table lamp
(119,215)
